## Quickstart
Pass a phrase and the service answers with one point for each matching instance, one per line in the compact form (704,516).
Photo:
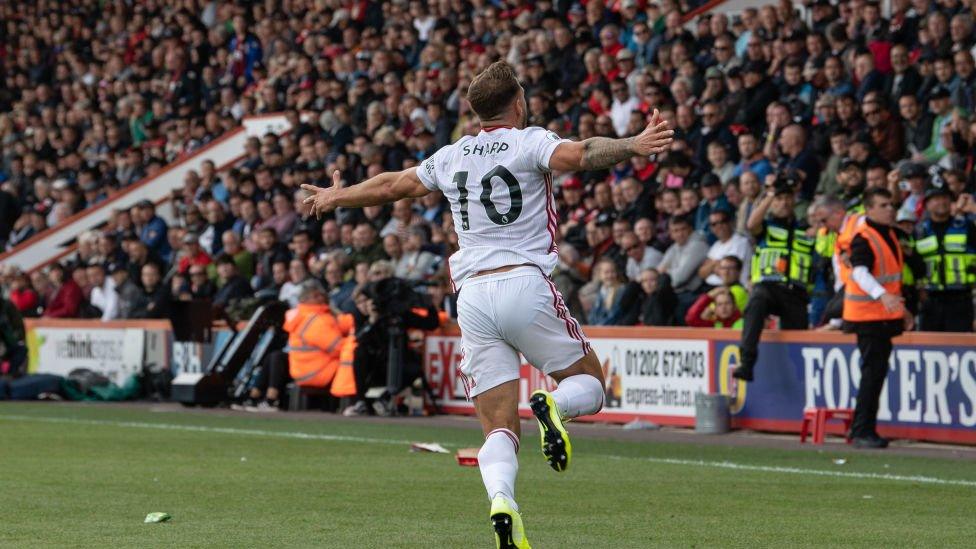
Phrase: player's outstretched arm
(382,189)
(597,153)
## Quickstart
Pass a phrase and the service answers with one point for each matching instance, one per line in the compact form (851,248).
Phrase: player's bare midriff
(504,269)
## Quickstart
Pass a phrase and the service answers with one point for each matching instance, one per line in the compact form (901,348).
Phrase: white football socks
(579,395)
(498,461)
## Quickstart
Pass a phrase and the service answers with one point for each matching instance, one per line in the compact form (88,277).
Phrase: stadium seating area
(98,95)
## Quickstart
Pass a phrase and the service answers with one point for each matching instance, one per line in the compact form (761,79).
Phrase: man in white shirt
(623,104)
(729,243)
(103,293)
(640,257)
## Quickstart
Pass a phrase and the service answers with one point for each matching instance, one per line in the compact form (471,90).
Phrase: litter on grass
(428,447)
(640,425)
(157,517)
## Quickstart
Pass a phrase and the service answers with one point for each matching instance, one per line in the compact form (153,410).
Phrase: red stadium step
(815,423)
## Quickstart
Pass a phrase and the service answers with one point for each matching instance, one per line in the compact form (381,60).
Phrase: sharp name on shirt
(485,149)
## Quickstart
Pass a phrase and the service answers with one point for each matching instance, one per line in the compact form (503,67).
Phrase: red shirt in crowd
(25,299)
(65,302)
(200,259)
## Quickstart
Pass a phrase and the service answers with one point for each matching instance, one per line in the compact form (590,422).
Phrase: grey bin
(711,414)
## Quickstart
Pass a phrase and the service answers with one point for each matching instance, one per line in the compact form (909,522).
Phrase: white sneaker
(357,409)
(263,406)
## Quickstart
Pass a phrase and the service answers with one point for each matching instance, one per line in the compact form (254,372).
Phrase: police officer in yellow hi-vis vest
(781,268)
(947,245)
(874,308)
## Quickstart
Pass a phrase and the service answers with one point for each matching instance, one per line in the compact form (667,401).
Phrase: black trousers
(274,372)
(947,312)
(875,350)
(767,298)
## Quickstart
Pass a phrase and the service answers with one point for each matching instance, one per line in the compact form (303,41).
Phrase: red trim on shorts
(553,221)
(493,128)
(572,327)
(511,436)
(464,378)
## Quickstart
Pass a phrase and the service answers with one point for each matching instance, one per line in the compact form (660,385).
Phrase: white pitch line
(207,429)
(800,471)
(919,479)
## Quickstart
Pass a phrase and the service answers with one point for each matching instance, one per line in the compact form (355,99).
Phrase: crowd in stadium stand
(98,95)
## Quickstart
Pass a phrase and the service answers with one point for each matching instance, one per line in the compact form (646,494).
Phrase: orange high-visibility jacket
(344,384)
(313,344)
(842,247)
(887,269)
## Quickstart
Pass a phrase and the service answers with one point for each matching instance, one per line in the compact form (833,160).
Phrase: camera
(786,182)
(393,297)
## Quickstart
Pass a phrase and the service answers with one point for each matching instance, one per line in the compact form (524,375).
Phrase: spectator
(884,132)
(839,149)
(65,301)
(713,200)
(792,143)
(617,302)
(623,102)
(153,299)
(231,286)
(192,254)
(659,303)
(103,294)
(727,243)
(269,251)
(714,309)
(22,295)
(290,290)
(941,107)
(151,229)
(217,224)
(200,285)
(640,256)
(242,258)
(681,262)
(416,263)
(365,248)
(751,157)
(903,80)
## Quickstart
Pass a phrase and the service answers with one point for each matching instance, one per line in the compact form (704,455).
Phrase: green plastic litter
(157,517)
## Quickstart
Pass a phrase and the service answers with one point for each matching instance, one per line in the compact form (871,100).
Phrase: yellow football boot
(555,438)
(507,523)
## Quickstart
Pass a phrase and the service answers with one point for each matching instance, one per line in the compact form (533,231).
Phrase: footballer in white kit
(499,185)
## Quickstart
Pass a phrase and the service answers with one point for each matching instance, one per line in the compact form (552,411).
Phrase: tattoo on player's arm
(602,152)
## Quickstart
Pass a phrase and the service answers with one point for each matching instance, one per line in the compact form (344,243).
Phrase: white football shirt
(500,190)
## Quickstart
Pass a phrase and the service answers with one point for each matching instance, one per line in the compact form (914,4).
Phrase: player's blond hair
(493,90)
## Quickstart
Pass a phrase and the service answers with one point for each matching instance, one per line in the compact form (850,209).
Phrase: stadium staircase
(57,242)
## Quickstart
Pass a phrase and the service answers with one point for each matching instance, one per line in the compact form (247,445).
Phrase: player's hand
(656,137)
(909,321)
(893,303)
(323,200)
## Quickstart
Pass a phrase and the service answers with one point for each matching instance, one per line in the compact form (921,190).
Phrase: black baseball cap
(939,91)
(934,191)
(606,219)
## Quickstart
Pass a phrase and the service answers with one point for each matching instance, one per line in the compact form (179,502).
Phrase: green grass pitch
(86,476)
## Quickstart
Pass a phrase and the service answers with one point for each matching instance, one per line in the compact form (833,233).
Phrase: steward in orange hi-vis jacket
(314,338)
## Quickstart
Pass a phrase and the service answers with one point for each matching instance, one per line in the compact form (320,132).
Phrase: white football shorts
(503,314)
